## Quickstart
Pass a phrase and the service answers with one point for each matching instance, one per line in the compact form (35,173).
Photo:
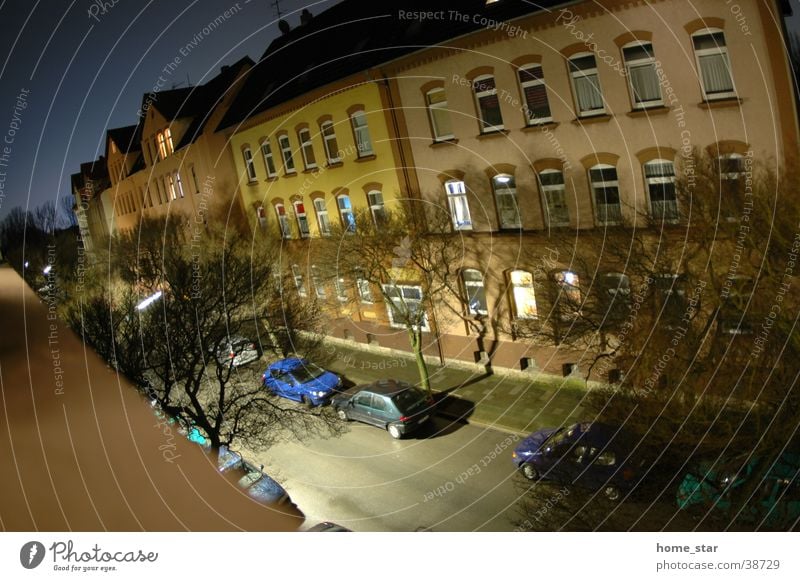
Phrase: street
(448,477)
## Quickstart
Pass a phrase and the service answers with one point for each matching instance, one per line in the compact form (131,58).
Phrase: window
(329,140)
(376,207)
(346,213)
(505,192)
(283,221)
(195,183)
(551,182)
(162,145)
(168,140)
(286,152)
(302,219)
(341,289)
(405,306)
(712,64)
(459,207)
(299,284)
(730,167)
(586,84)
(568,286)
(171,180)
(322,217)
(534,92)
(488,104)
(659,175)
(440,117)
(149,197)
(316,280)
(269,161)
(733,313)
(179,184)
(361,133)
(307,148)
(642,76)
(249,164)
(474,291)
(159,191)
(605,188)
(617,287)
(362,285)
(523,295)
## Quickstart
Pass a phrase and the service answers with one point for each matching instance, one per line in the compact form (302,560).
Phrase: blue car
(591,455)
(253,480)
(300,380)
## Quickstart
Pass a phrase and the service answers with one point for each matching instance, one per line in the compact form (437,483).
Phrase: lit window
(172,191)
(605,187)
(286,153)
(361,133)
(642,75)
(168,140)
(331,145)
(440,117)
(405,306)
(568,286)
(659,175)
(316,280)
(346,213)
(488,104)
(474,291)
(249,164)
(459,206)
(322,217)
(534,90)
(162,145)
(283,221)
(712,63)
(586,84)
(269,161)
(362,284)
(307,148)
(505,192)
(299,283)
(551,182)
(616,283)
(523,295)
(302,220)
(376,207)
(179,184)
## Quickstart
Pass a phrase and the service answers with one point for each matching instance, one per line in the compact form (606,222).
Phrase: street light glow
(148,301)
(47,269)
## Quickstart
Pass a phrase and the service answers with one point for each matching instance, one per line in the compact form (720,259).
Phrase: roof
(127,139)
(386,386)
(353,36)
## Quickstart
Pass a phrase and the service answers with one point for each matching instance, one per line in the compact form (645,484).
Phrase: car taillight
(404,418)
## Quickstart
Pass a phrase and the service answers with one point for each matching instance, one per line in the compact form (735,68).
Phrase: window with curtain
(534,91)
(361,133)
(488,103)
(659,174)
(505,193)
(302,219)
(346,213)
(286,153)
(523,295)
(605,187)
(713,65)
(551,183)
(640,63)
(459,206)
(586,84)
(440,116)
(322,217)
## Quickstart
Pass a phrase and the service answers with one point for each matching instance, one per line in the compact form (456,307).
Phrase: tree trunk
(416,345)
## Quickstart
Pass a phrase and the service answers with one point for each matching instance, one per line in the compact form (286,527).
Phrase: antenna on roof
(277,5)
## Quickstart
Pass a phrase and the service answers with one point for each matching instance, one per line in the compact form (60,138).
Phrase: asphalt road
(448,477)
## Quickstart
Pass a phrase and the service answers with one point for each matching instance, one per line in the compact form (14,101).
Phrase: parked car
(593,455)
(240,349)
(328,527)
(396,406)
(300,380)
(254,481)
(776,501)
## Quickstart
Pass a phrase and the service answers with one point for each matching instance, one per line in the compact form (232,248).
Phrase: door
(361,409)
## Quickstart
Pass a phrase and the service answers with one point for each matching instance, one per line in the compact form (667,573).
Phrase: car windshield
(307,372)
(409,400)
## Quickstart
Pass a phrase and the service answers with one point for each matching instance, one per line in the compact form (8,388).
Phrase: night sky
(85,65)
(86,73)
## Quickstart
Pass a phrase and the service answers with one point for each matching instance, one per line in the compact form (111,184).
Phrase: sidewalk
(510,403)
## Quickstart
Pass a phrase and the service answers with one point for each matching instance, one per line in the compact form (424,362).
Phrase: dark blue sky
(87,74)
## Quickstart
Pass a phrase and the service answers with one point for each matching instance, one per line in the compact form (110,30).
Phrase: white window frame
(323,220)
(302,218)
(502,188)
(640,63)
(377,207)
(307,148)
(269,159)
(441,108)
(171,181)
(341,289)
(720,50)
(249,164)
(657,180)
(316,282)
(330,142)
(363,287)
(283,222)
(530,119)
(299,283)
(546,190)
(596,185)
(523,291)
(485,127)
(361,134)
(179,184)
(575,74)
(476,281)
(404,301)
(456,192)
(285,146)
(349,225)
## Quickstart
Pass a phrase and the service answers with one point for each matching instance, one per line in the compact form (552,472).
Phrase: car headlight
(318,393)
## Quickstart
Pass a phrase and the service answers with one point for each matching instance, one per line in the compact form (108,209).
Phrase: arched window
(346,213)
(250,167)
(505,193)
(487,103)
(551,183)
(376,207)
(307,148)
(286,154)
(283,221)
(523,295)
(731,166)
(534,91)
(568,286)
(713,65)
(586,85)
(269,160)
(474,291)
(642,76)
(322,217)
(329,139)
(302,219)
(440,116)
(659,174)
(605,189)
(361,134)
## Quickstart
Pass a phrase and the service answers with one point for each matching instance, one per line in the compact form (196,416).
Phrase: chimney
(283,26)
(305,17)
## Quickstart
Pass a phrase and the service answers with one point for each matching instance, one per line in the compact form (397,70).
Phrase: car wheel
(611,493)
(306,400)
(529,472)
(342,415)
(395,432)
